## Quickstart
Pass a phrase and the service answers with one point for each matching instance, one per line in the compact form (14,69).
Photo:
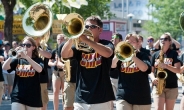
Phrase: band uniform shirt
(1,70)
(145,51)
(170,58)
(26,88)
(54,52)
(93,83)
(44,77)
(113,73)
(73,64)
(133,84)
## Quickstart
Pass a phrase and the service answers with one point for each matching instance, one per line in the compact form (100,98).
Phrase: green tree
(8,8)
(165,15)
(94,7)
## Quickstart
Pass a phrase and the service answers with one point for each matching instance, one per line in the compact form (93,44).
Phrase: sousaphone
(37,22)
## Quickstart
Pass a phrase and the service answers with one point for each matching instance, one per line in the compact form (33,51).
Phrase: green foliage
(166,14)
(95,7)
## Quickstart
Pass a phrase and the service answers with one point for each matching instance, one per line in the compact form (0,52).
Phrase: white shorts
(100,106)
(8,79)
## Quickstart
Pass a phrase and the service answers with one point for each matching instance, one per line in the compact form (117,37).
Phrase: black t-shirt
(26,87)
(145,51)
(54,52)
(114,73)
(1,71)
(93,83)
(44,78)
(133,84)
(170,58)
(73,64)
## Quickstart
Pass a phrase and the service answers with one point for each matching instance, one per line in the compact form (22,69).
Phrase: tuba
(37,22)
(161,74)
(124,51)
(73,27)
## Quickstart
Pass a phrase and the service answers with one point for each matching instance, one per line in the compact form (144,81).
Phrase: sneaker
(3,97)
(8,98)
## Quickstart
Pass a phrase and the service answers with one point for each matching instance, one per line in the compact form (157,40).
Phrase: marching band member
(171,65)
(116,38)
(93,87)
(133,86)
(26,93)
(45,54)
(69,85)
(58,73)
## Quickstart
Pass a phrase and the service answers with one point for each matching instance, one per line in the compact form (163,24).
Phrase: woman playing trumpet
(133,86)
(26,94)
(170,65)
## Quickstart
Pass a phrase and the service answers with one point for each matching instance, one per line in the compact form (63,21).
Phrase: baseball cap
(6,43)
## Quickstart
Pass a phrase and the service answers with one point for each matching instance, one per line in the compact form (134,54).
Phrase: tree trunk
(8,25)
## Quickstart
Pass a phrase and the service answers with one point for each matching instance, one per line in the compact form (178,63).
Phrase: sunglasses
(150,40)
(164,39)
(27,45)
(91,26)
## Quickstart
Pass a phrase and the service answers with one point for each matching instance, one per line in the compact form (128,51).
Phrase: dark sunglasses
(150,40)
(164,39)
(27,45)
(91,26)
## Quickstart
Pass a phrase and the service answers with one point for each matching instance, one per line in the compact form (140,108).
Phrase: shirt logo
(25,71)
(128,67)
(91,60)
(167,61)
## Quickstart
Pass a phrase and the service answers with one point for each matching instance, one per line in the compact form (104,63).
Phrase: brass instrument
(73,27)
(124,51)
(161,74)
(37,22)
(67,69)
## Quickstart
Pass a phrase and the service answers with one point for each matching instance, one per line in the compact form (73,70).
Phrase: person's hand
(162,65)
(83,38)
(155,81)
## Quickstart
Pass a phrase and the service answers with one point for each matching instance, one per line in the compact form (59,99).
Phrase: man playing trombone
(93,69)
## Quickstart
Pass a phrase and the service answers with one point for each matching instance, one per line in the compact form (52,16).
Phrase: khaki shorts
(168,93)
(124,105)
(69,94)
(44,93)
(1,90)
(60,77)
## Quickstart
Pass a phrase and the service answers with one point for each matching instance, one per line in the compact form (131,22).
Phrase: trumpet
(14,53)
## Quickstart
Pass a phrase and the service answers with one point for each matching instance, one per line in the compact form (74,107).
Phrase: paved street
(7,106)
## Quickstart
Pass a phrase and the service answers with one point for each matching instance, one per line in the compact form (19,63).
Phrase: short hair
(132,35)
(139,36)
(118,35)
(95,18)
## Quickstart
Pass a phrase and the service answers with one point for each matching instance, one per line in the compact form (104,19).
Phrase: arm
(35,65)
(156,44)
(175,68)
(52,62)
(6,64)
(67,51)
(114,62)
(60,64)
(1,58)
(140,64)
(44,53)
(176,43)
(99,48)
